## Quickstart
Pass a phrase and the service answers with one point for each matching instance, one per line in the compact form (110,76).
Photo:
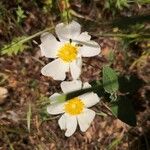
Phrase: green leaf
(123,110)
(129,84)
(98,87)
(20,14)
(14,47)
(110,80)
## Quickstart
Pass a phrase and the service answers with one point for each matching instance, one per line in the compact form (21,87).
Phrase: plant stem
(36,34)
(64,97)
(67,10)
(122,35)
(30,37)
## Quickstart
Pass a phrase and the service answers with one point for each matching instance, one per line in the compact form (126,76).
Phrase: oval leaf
(110,80)
(123,110)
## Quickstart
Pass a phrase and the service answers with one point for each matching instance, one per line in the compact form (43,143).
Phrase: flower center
(68,52)
(74,106)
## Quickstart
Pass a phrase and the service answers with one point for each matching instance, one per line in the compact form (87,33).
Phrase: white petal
(68,31)
(84,36)
(62,122)
(53,98)
(86,85)
(89,99)
(85,119)
(75,68)
(69,86)
(91,49)
(55,109)
(49,45)
(71,125)
(56,69)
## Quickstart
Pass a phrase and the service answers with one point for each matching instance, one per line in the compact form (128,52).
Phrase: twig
(8,140)
(36,59)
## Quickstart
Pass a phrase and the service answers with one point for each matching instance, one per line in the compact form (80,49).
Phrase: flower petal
(62,122)
(84,36)
(69,86)
(53,98)
(89,99)
(56,69)
(55,109)
(71,125)
(68,31)
(49,45)
(85,119)
(75,68)
(92,49)
(86,85)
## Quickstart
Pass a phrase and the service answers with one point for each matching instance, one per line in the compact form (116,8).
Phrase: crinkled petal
(71,125)
(85,119)
(55,109)
(89,99)
(62,122)
(53,98)
(75,68)
(84,36)
(56,69)
(91,49)
(49,45)
(68,31)
(69,86)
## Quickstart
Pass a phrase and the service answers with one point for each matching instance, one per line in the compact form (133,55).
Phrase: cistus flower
(67,52)
(75,111)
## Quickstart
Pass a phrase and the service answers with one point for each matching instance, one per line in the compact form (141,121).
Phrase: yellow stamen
(74,106)
(68,52)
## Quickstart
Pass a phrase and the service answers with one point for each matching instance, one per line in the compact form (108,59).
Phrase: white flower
(67,51)
(74,110)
